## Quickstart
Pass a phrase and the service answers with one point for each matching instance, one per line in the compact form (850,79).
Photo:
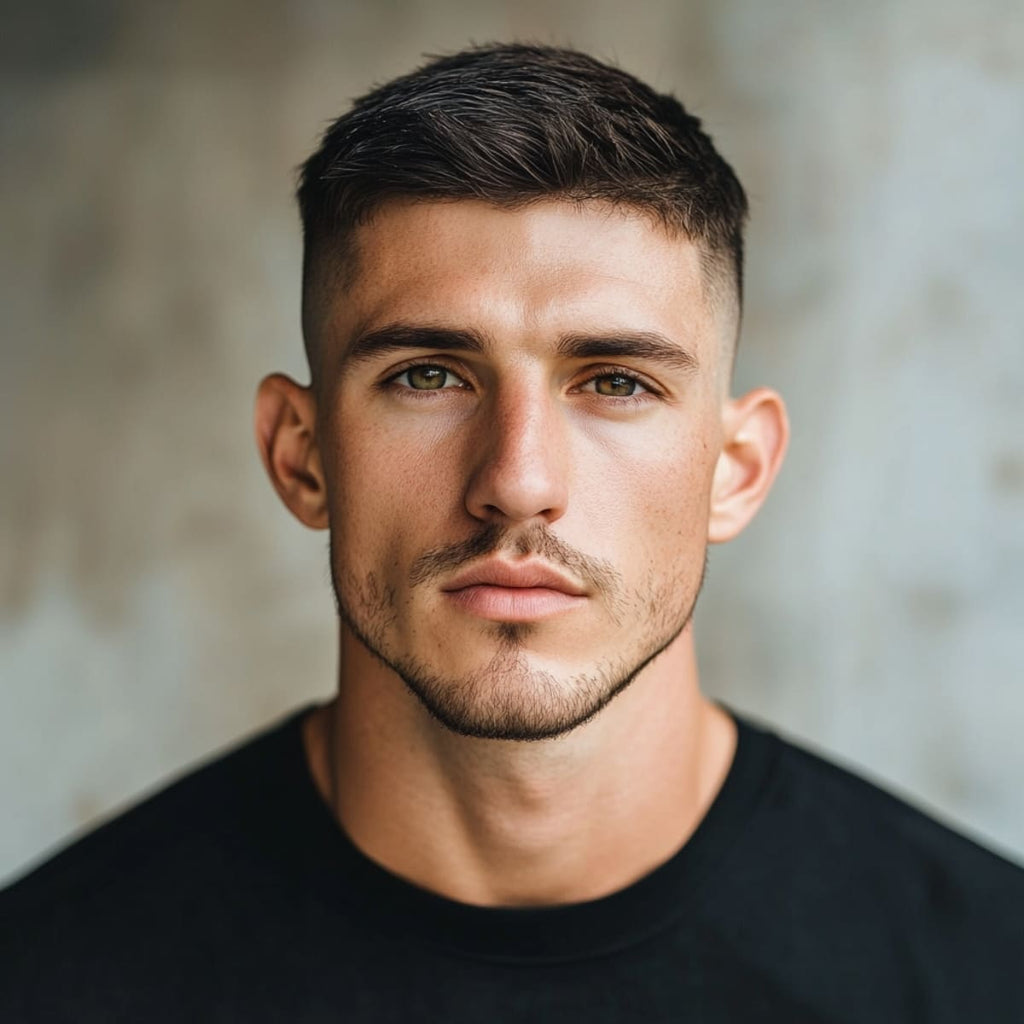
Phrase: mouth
(514,592)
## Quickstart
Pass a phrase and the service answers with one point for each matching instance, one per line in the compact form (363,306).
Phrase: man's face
(519,420)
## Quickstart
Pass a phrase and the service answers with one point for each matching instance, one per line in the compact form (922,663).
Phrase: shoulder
(204,806)
(865,880)
(844,811)
(154,879)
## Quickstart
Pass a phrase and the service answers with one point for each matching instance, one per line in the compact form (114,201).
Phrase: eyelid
(594,373)
(441,362)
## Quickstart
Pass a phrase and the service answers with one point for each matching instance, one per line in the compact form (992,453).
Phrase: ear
(756,432)
(285,423)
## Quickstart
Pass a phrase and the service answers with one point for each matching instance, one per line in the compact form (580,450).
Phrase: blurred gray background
(156,601)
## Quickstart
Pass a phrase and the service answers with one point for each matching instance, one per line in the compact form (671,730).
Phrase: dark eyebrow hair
(398,336)
(629,344)
(395,337)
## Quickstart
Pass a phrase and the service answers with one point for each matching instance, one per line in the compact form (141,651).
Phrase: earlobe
(756,432)
(285,422)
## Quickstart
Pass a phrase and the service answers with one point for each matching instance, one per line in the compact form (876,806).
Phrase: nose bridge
(521,465)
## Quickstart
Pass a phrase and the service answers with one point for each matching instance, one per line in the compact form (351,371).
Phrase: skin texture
(528,390)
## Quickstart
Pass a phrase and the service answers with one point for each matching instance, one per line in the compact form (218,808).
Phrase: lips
(506,592)
(524,576)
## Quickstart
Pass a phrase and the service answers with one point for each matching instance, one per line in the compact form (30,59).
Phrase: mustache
(537,540)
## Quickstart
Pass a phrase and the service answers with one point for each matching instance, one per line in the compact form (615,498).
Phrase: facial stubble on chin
(507,699)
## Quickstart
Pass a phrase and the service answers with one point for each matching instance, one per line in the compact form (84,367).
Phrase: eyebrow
(397,337)
(647,345)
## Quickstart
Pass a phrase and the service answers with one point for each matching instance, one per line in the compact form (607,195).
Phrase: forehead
(524,275)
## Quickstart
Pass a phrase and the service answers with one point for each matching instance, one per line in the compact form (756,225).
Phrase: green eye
(615,385)
(427,378)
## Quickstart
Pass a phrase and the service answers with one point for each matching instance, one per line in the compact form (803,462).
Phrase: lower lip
(514,604)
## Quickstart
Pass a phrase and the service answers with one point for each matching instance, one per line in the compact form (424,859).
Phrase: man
(521,299)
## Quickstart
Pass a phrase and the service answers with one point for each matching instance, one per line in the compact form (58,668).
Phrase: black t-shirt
(806,894)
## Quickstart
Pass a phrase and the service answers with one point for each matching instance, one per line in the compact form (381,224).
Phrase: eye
(428,377)
(615,385)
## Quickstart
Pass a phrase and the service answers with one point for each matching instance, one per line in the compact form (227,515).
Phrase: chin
(512,698)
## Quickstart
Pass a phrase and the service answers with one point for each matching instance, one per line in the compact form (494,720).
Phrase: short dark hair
(510,125)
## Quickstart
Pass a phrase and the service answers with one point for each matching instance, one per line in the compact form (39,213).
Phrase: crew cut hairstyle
(510,125)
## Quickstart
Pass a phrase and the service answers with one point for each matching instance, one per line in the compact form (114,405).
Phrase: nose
(520,460)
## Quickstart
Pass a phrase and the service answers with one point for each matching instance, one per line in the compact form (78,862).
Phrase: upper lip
(514,575)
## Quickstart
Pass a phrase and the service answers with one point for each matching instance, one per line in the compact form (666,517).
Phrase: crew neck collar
(342,874)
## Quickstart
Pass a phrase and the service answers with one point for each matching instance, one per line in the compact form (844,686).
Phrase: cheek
(386,489)
(654,495)
(675,522)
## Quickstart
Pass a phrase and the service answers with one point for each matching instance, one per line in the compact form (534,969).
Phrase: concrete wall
(155,599)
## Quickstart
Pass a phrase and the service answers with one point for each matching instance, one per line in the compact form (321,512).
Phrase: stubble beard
(508,699)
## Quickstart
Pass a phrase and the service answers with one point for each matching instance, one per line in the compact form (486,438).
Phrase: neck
(506,823)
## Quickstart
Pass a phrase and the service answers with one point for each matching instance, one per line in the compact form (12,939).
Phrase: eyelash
(391,380)
(594,375)
(631,375)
